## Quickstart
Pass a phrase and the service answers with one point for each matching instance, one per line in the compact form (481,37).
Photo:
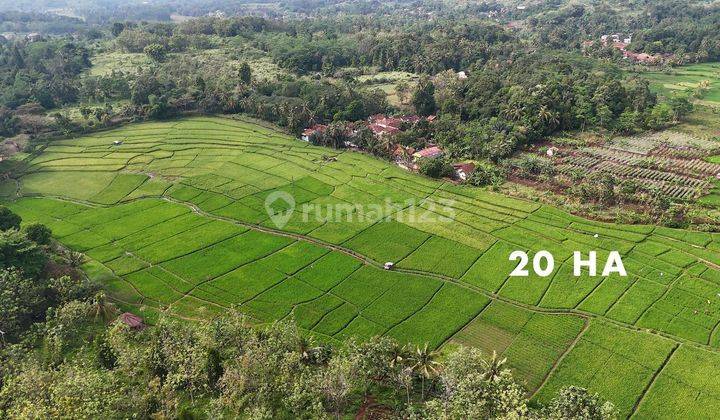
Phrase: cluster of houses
(383,126)
(31,37)
(620,43)
(380,125)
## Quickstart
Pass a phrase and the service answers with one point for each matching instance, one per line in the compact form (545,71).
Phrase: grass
(387,82)
(174,220)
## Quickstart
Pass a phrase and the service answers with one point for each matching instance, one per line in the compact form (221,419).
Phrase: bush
(531,166)
(8,219)
(21,301)
(19,252)
(486,174)
(38,233)
(435,168)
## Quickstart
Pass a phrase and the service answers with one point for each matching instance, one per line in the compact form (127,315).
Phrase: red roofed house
(132,321)
(315,129)
(463,170)
(382,125)
(428,153)
(382,130)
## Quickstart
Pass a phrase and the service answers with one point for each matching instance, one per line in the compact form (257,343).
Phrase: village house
(33,36)
(431,152)
(382,125)
(315,129)
(132,321)
(622,46)
(463,170)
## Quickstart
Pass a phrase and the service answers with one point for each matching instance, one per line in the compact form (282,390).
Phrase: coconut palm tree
(547,116)
(100,307)
(398,355)
(75,259)
(514,111)
(425,365)
(494,366)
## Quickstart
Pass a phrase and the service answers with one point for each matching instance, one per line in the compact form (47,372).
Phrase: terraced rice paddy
(686,78)
(174,220)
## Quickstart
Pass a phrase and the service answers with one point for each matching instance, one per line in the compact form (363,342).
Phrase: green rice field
(680,79)
(175,220)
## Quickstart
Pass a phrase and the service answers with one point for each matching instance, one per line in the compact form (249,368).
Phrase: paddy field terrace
(174,217)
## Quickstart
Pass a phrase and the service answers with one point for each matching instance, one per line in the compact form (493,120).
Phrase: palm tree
(101,307)
(425,365)
(493,367)
(75,259)
(547,116)
(398,354)
(514,111)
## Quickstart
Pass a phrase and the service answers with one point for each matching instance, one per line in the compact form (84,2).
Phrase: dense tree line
(685,29)
(45,72)
(500,108)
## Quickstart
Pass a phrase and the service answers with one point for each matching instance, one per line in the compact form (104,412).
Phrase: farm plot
(531,341)
(682,79)
(388,82)
(175,219)
(227,170)
(684,387)
(672,161)
(617,364)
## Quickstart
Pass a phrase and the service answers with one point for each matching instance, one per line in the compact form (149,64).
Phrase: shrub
(19,252)
(435,168)
(531,166)
(486,174)
(38,233)
(8,219)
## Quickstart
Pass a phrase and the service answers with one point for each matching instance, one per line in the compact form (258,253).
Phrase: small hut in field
(131,320)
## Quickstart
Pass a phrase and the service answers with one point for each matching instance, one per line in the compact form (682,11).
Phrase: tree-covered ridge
(685,29)
(514,94)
